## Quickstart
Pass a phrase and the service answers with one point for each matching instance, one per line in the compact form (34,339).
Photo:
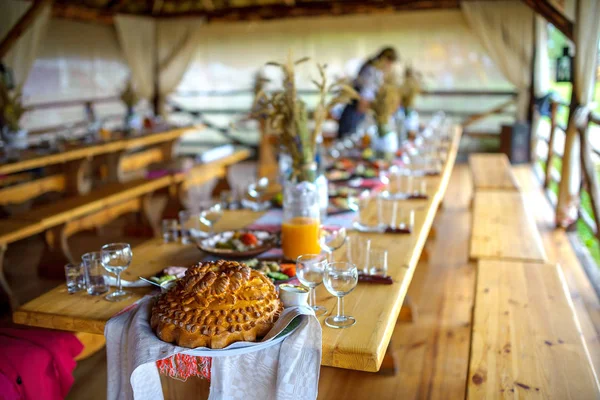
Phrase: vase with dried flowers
(130,98)
(288,117)
(11,110)
(380,122)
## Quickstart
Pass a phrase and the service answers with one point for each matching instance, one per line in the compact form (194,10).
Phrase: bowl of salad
(238,244)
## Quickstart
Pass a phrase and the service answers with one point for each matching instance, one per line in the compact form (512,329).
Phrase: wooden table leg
(12,300)
(389,365)
(79,177)
(409,311)
(56,254)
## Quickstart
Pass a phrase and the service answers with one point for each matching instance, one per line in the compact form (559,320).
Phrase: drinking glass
(210,213)
(95,274)
(419,186)
(170,230)
(332,238)
(75,277)
(378,262)
(358,252)
(340,278)
(116,258)
(258,195)
(309,270)
(190,226)
(398,183)
(368,209)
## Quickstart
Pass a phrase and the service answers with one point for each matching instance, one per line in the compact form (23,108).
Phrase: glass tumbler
(170,230)
(75,277)
(95,274)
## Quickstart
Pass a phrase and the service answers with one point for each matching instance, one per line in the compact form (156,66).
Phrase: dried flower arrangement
(288,117)
(410,88)
(386,103)
(11,108)
(129,97)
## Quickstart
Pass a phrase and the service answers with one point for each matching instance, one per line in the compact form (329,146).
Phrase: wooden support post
(409,311)
(549,158)
(591,179)
(22,25)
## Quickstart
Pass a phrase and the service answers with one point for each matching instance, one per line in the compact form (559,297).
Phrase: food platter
(238,244)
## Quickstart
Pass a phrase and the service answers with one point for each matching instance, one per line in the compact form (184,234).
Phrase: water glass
(95,274)
(116,258)
(309,270)
(340,278)
(258,196)
(210,213)
(368,208)
(378,262)
(332,238)
(419,186)
(75,277)
(170,230)
(398,183)
(397,216)
(190,226)
(358,252)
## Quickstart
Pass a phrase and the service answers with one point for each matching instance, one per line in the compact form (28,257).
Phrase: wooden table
(375,307)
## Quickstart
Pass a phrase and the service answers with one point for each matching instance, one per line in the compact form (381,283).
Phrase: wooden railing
(550,173)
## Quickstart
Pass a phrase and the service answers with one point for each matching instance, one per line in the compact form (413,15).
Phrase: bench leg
(432,233)
(409,311)
(389,365)
(12,300)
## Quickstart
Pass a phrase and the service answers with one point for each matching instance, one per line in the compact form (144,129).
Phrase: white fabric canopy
(506,31)
(137,38)
(586,35)
(175,42)
(24,51)
(541,76)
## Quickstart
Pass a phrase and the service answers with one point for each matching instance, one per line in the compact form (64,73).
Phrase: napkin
(286,370)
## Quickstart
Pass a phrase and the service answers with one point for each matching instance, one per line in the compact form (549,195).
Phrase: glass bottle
(301,220)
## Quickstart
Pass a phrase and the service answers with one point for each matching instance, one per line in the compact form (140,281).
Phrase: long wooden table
(80,151)
(375,307)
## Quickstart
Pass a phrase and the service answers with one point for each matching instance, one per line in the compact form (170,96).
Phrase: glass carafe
(301,220)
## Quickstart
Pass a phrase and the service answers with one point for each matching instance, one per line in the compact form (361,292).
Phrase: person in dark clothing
(370,77)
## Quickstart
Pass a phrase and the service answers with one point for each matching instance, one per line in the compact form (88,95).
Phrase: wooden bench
(61,220)
(502,228)
(526,338)
(492,172)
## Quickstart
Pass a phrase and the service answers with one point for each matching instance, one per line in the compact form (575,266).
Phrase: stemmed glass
(211,212)
(258,195)
(332,238)
(116,257)
(340,279)
(309,270)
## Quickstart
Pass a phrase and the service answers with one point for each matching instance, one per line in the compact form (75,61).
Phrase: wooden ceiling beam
(82,14)
(22,25)
(316,8)
(552,15)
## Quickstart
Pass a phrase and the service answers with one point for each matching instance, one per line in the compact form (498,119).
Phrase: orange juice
(300,235)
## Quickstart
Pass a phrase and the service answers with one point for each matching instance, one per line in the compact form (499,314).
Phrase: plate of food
(277,270)
(238,244)
(336,175)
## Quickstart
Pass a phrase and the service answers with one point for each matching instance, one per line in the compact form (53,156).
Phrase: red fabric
(36,364)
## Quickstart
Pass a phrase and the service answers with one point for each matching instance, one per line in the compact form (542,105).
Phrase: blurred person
(370,77)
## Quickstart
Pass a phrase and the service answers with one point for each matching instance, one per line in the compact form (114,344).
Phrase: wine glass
(258,195)
(332,238)
(340,278)
(116,257)
(211,212)
(309,270)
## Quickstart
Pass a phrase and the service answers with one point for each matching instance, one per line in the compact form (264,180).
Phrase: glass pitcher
(301,220)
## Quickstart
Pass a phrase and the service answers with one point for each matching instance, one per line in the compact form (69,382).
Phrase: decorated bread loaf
(216,304)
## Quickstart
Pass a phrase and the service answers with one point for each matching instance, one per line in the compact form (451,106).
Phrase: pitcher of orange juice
(300,228)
